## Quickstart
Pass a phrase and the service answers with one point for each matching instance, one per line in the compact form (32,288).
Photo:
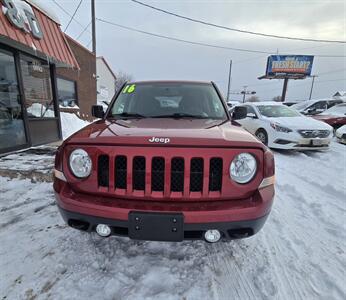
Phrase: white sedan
(341,134)
(282,127)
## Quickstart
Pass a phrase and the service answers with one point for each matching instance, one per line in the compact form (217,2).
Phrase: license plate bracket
(317,142)
(156,226)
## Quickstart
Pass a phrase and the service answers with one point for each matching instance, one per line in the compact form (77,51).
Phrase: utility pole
(284,90)
(229,80)
(93,23)
(312,85)
(244,93)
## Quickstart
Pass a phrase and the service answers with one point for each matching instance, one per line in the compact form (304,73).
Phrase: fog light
(103,230)
(212,235)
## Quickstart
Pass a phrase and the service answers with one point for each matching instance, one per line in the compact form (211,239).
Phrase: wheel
(262,135)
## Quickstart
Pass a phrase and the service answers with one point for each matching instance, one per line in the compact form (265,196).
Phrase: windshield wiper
(129,115)
(180,115)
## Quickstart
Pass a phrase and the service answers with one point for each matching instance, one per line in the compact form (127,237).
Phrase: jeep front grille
(158,174)
(215,174)
(176,175)
(138,173)
(196,175)
(121,172)
(103,170)
(314,133)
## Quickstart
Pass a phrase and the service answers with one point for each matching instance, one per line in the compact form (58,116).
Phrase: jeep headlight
(80,163)
(243,168)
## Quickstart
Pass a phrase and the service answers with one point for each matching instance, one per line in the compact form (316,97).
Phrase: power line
(84,30)
(72,17)
(236,29)
(181,40)
(67,13)
(259,85)
(304,83)
(329,72)
(195,43)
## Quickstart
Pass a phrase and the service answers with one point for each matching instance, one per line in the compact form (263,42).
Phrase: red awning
(53,44)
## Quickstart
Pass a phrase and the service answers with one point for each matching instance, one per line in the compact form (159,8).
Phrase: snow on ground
(299,254)
(70,123)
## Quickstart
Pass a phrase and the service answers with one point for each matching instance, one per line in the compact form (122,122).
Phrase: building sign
(289,65)
(21,15)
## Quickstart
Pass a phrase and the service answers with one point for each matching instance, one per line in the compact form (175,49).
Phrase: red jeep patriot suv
(165,162)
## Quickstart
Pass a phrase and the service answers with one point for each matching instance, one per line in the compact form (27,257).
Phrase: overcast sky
(147,57)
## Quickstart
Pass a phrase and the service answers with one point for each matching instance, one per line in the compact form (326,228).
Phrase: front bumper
(234,218)
(192,231)
(294,141)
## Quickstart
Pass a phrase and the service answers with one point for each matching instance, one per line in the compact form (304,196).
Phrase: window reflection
(67,93)
(37,88)
(12,132)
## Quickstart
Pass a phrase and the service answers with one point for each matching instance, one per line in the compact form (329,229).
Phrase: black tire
(262,135)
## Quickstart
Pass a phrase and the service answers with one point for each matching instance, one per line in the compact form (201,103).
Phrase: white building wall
(105,82)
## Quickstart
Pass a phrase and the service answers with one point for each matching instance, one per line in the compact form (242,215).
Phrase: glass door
(12,131)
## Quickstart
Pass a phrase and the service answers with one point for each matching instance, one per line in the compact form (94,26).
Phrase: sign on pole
(289,65)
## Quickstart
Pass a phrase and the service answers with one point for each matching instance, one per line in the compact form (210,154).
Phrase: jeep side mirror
(239,113)
(97,111)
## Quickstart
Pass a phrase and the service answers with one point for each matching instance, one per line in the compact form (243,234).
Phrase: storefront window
(37,88)
(12,131)
(67,93)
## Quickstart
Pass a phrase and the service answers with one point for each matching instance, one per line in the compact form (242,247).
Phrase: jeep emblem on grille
(159,140)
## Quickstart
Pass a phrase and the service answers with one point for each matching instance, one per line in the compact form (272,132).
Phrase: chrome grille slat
(314,133)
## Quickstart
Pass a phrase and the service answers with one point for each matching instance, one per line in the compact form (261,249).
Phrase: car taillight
(269,164)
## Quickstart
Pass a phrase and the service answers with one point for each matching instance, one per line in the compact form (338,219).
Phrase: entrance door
(12,131)
(40,104)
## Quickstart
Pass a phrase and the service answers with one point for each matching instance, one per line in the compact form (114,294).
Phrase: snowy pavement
(299,254)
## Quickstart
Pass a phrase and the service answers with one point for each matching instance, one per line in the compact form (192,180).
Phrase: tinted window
(276,111)
(168,99)
(37,88)
(319,105)
(338,110)
(250,110)
(334,102)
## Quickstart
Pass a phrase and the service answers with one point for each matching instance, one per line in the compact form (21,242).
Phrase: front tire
(262,135)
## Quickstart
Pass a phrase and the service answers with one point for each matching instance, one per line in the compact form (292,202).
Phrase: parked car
(341,134)
(314,107)
(334,116)
(282,127)
(168,173)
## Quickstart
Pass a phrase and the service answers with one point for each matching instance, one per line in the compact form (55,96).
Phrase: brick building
(77,88)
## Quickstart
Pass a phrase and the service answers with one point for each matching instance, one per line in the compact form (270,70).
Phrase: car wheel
(262,135)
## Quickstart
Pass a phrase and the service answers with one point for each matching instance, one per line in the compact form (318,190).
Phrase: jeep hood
(180,132)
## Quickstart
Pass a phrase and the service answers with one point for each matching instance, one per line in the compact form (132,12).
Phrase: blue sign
(289,65)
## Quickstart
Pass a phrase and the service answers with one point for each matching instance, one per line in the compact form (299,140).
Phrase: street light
(245,92)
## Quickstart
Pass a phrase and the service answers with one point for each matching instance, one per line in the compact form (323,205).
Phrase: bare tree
(277,99)
(253,99)
(122,77)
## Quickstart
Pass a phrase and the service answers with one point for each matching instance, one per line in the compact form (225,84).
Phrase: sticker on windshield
(129,89)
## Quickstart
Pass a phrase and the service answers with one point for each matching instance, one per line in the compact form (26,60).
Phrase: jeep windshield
(168,100)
